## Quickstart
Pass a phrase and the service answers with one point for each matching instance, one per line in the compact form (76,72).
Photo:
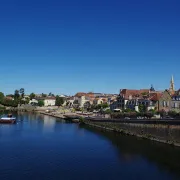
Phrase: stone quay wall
(162,131)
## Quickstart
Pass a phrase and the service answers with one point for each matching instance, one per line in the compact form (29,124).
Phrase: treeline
(13,100)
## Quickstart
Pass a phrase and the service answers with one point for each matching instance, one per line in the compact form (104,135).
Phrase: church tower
(172,88)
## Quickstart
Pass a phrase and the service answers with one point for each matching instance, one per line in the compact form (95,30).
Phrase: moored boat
(9,119)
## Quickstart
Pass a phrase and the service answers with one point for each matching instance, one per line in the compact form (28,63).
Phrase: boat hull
(8,121)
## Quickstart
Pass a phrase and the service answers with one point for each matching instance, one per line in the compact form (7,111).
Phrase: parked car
(168,117)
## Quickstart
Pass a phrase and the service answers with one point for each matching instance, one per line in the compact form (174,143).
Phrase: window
(167,104)
(176,105)
(164,103)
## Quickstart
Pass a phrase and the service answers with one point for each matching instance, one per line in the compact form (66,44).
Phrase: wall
(165,132)
(167,98)
(49,102)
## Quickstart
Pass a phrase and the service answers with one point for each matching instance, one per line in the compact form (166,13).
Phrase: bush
(40,103)
(117,115)
(173,113)
(149,114)
(108,111)
(81,120)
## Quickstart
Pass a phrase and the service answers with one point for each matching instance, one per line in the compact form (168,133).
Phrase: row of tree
(17,98)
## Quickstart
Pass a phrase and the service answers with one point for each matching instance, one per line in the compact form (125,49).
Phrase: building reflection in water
(49,124)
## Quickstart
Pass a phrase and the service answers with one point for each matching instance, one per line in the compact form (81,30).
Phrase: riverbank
(156,130)
(163,133)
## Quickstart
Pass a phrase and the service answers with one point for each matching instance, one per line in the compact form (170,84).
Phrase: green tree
(50,94)
(142,108)
(1,96)
(10,95)
(32,95)
(40,103)
(128,110)
(21,91)
(16,94)
(172,113)
(104,105)
(59,101)
(44,95)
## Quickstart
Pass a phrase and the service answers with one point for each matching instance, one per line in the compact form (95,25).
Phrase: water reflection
(130,149)
(49,124)
(40,145)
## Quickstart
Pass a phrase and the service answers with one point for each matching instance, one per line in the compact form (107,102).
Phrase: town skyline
(175,86)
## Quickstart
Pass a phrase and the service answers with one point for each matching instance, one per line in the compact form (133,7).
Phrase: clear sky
(65,46)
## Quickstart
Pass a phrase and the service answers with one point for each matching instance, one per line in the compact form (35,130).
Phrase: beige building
(49,101)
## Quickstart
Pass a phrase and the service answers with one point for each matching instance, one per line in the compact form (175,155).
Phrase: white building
(49,101)
(33,101)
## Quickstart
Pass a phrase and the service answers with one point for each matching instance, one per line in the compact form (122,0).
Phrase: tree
(40,103)
(142,108)
(59,101)
(16,94)
(50,94)
(128,110)
(44,95)
(172,113)
(21,91)
(104,105)
(1,96)
(10,95)
(32,95)
(149,114)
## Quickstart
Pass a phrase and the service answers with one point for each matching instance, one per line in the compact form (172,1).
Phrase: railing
(136,121)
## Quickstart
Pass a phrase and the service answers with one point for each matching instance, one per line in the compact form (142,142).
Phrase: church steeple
(172,88)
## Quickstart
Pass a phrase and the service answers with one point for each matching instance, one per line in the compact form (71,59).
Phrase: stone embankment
(161,130)
(61,115)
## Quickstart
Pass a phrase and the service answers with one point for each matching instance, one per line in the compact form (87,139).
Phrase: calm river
(38,148)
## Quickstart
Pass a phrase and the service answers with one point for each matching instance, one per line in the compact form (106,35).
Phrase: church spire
(172,84)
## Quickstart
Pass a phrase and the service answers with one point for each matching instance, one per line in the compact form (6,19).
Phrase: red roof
(155,96)
(80,94)
(133,92)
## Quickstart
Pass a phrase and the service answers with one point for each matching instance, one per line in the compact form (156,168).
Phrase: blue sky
(99,45)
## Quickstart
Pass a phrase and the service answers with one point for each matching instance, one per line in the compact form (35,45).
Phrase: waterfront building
(131,99)
(49,101)
(98,101)
(175,104)
(164,102)
(33,102)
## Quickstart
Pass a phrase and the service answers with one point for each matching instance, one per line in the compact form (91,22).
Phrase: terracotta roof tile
(133,92)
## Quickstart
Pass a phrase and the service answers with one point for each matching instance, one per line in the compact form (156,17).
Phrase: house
(113,105)
(128,98)
(165,101)
(81,99)
(97,101)
(33,102)
(175,103)
(132,98)
(9,98)
(49,101)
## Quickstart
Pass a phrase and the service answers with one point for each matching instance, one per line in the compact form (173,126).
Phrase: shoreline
(126,132)
(114,129)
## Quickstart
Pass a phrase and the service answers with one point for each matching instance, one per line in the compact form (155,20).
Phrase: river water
(39,147)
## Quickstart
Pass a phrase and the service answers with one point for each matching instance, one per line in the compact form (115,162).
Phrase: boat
(9,119)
